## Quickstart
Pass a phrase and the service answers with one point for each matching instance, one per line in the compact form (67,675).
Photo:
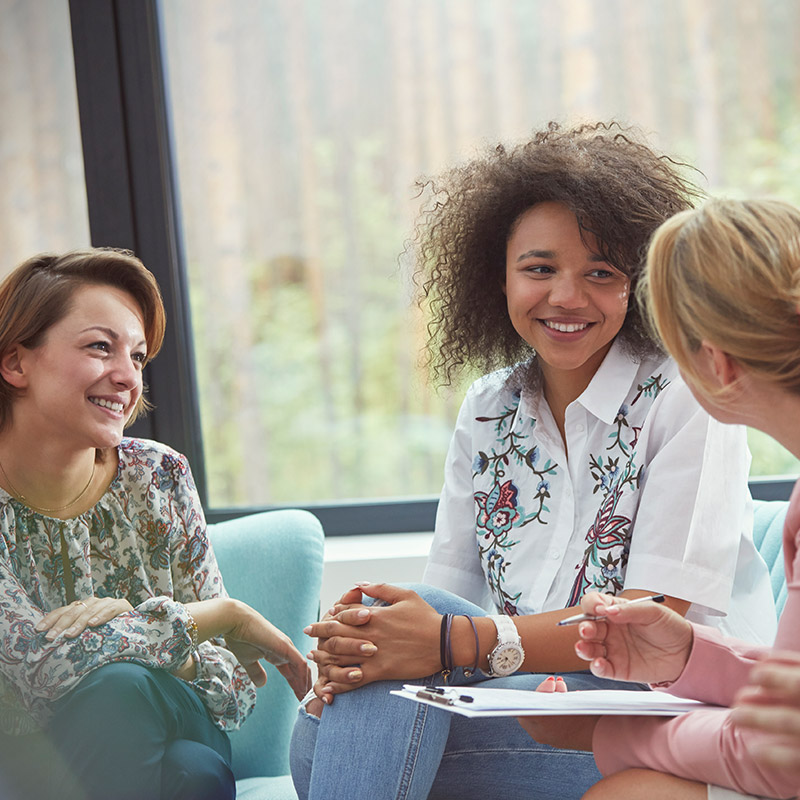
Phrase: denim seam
(413,752)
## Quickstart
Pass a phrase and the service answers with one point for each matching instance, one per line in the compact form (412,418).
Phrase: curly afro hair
(619,189)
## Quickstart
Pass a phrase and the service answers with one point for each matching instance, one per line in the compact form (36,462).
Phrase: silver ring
(81,603)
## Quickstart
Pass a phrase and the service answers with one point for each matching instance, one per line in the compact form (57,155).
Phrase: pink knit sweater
(704,745)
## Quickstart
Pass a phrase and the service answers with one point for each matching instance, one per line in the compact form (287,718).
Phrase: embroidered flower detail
(509,609)
(497,511)
(532,456)
(480,463)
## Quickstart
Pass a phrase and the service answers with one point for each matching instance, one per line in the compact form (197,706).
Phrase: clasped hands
(396,638)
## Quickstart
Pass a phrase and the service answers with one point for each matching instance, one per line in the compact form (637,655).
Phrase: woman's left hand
(72,620)
(402,640)
(771,704)
(565,733)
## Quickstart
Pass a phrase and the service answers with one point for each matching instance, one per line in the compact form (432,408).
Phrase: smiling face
(563,299)
(82,383)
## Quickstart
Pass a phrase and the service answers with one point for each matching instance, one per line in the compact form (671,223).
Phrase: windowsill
(383,557)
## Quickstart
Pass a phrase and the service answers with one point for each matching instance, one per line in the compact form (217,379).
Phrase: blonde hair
(729,273)
(38,294)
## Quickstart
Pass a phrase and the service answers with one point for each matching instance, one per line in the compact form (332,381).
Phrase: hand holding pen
(652,598)
(632,640)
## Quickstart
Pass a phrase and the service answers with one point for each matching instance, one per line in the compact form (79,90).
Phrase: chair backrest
(272,561)
(768,517)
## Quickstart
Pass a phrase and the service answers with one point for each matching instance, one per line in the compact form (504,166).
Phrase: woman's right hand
(645,642)
(73,619)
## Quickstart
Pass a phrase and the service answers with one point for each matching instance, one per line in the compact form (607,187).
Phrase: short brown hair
(729,273)
(617,186)
(38,294)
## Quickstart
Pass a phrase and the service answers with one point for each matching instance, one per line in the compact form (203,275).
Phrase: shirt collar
(611,384)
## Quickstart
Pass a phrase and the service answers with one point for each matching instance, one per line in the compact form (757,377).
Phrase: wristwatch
(508,655)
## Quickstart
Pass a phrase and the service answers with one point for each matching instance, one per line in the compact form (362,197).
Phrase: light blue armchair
(768,517)
(273,562)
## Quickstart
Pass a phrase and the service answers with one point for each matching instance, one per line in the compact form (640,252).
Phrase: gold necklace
(21,497)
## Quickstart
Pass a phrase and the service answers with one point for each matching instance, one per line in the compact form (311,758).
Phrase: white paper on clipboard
(481,701)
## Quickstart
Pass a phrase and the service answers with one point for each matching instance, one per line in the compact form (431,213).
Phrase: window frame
(132,196)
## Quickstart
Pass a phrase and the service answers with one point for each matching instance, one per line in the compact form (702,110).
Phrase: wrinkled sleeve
(693,528)
(37,671)
(453,563)
(221,682)
(704,745)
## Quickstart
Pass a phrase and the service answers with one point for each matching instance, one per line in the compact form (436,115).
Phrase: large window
(300,128)
(42,193)
(261,157)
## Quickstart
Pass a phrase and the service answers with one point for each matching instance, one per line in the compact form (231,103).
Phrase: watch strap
(506,630)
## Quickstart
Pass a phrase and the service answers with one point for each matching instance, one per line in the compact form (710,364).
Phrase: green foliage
(770,458)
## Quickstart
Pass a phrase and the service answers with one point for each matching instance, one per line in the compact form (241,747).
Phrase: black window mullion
(131,190)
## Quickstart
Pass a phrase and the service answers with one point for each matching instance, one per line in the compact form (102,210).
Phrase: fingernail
(326,699)
(38,627)
(363,583)
(550,678)
(559,678)
(307,630)
(364,612)
(331,611)
(368,647)
(310,656)
(326,690)
(355,675)
(93,621)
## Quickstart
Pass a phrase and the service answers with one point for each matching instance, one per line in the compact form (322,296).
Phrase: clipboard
(480,701)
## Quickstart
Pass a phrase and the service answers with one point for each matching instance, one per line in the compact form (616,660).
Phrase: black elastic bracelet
(470,671)
(448,649)
(441,640)
(445,654)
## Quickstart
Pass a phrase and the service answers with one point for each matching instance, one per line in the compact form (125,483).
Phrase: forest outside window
(300,129)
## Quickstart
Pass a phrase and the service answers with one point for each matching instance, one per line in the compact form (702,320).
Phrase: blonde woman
(723,287)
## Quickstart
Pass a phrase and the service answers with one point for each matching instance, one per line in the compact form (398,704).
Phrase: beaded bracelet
(192,630)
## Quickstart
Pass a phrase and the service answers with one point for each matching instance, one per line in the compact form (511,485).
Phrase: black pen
(656,598)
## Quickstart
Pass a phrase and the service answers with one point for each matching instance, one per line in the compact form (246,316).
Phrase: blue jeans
(124,732)
(371,744)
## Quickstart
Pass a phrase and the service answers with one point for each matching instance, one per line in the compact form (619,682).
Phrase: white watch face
(506,658)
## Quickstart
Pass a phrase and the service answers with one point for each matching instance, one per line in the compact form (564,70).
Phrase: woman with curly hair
(581,462)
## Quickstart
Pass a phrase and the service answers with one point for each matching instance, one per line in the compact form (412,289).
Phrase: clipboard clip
(443,696)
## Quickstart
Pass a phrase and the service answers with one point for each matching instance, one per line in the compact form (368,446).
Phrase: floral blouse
(145,541)
(648,492)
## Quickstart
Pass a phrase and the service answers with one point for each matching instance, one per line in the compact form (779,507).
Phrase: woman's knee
(443,601)
(193,771)
(301,749)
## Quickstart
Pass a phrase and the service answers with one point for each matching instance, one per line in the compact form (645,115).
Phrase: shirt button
(580,428)
(554,554)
